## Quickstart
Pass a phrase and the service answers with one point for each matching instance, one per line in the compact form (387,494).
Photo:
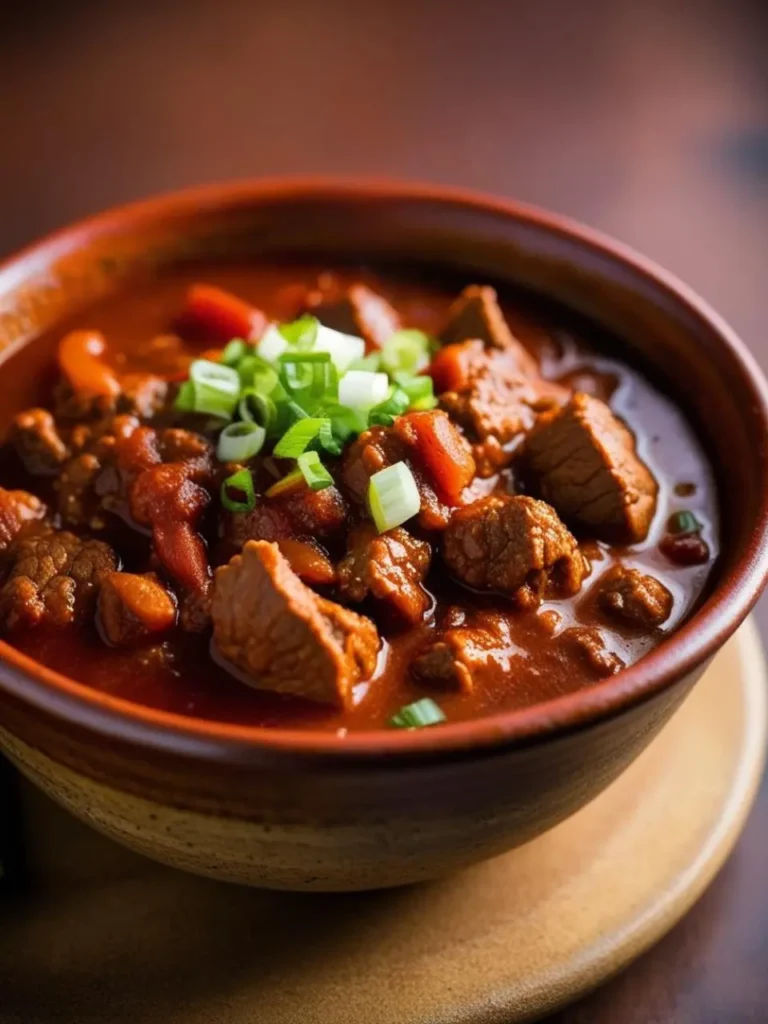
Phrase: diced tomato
(441,450)
(80,361)
(221,316)
(308,561)
(450,367)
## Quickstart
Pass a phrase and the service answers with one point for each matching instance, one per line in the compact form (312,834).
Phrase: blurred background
(645,118)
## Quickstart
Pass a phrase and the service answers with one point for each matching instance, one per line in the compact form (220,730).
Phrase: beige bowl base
(110,937)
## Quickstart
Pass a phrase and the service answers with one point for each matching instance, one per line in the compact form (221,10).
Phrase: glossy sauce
(192,683)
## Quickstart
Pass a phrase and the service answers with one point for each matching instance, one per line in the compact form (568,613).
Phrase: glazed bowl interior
(668,331)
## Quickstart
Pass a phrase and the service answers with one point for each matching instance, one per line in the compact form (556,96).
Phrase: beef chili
(290,497)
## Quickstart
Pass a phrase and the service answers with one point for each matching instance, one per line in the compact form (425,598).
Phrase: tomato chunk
(221,316)
(450,367)
(80,361)
(441,450)
(309,562)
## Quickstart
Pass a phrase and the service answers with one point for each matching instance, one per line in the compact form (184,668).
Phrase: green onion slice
(362,389)
(406,352)
(683,522)
(239,442)
(301,333)
(418,715)
(420,390)
(234,352)
(185,397)
(370,362)
(242,483)
(395,405)
(314,472)
(287,484)
(326,439)
(345,423)
(298,437)
(257,408)
(308,375)
(216,388)
(344,349)
(393,496)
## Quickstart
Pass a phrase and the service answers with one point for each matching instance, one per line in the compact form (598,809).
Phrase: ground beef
(514,545)
(141,394)
(133,607)
(19,510)
(36,438)
(389,567)
(583,461)
(88,479)
(633,598)
(54,579)
(285,638)
(356,310)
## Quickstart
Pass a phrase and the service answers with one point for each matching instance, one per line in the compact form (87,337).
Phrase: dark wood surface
(646,119)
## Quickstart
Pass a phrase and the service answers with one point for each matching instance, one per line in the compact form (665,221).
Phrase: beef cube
(476,314)
(285,638)
(584,462)
(37,440)
(633,598)
(133,607)
(587,643)
(18,511)
(358,310)
(389,567)
(465,657)
(54,579)
(514,545)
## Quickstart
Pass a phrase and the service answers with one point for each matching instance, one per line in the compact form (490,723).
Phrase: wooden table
(646,119)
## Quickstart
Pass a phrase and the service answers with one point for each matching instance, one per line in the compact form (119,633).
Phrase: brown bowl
(298,810)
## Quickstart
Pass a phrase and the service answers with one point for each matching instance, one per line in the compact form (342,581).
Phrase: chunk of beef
(476,653)
(141,394)
(476,314)
(633,598)
(37,440)
(133,607)
(284,637)
(379,447)
(356,310)
(389,567)
(87,479)
(587,644)
(18,511)
(54,579)
(585,464)
(514,545)
(494,400)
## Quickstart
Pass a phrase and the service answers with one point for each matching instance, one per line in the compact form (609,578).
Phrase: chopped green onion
(345,422)
(418,715)
(241,482)
(297,438)
(257,408)
(393,496)
(314,472)
(326,440)
(216,388)
(301,333)
(683,522)
(272,344)
(293,481)
(309,375)
(343,349)
(233,352)
(370,362)
(395,405)
(240,441)
(185,397)
(420,390)
(406,352)
(257,373)
(361,389)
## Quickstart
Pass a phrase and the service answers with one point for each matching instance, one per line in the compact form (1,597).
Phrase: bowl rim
(697,640)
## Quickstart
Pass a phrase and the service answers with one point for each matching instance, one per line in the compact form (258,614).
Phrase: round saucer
(117,938)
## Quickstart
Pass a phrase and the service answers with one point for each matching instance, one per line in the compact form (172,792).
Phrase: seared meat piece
(389,567)
(36,439)
(633,598)
(284,637)
(587,643)
(357,310)
(18,510)
(477,653)
(133,607)
(585,464)
(492,398)
(54,579)
(515,545)
(87,479)
(476,314)
(141,394)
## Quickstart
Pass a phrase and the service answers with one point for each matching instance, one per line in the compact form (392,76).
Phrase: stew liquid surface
(460,618)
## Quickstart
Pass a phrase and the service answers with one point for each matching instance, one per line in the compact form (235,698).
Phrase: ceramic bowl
(297,810)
